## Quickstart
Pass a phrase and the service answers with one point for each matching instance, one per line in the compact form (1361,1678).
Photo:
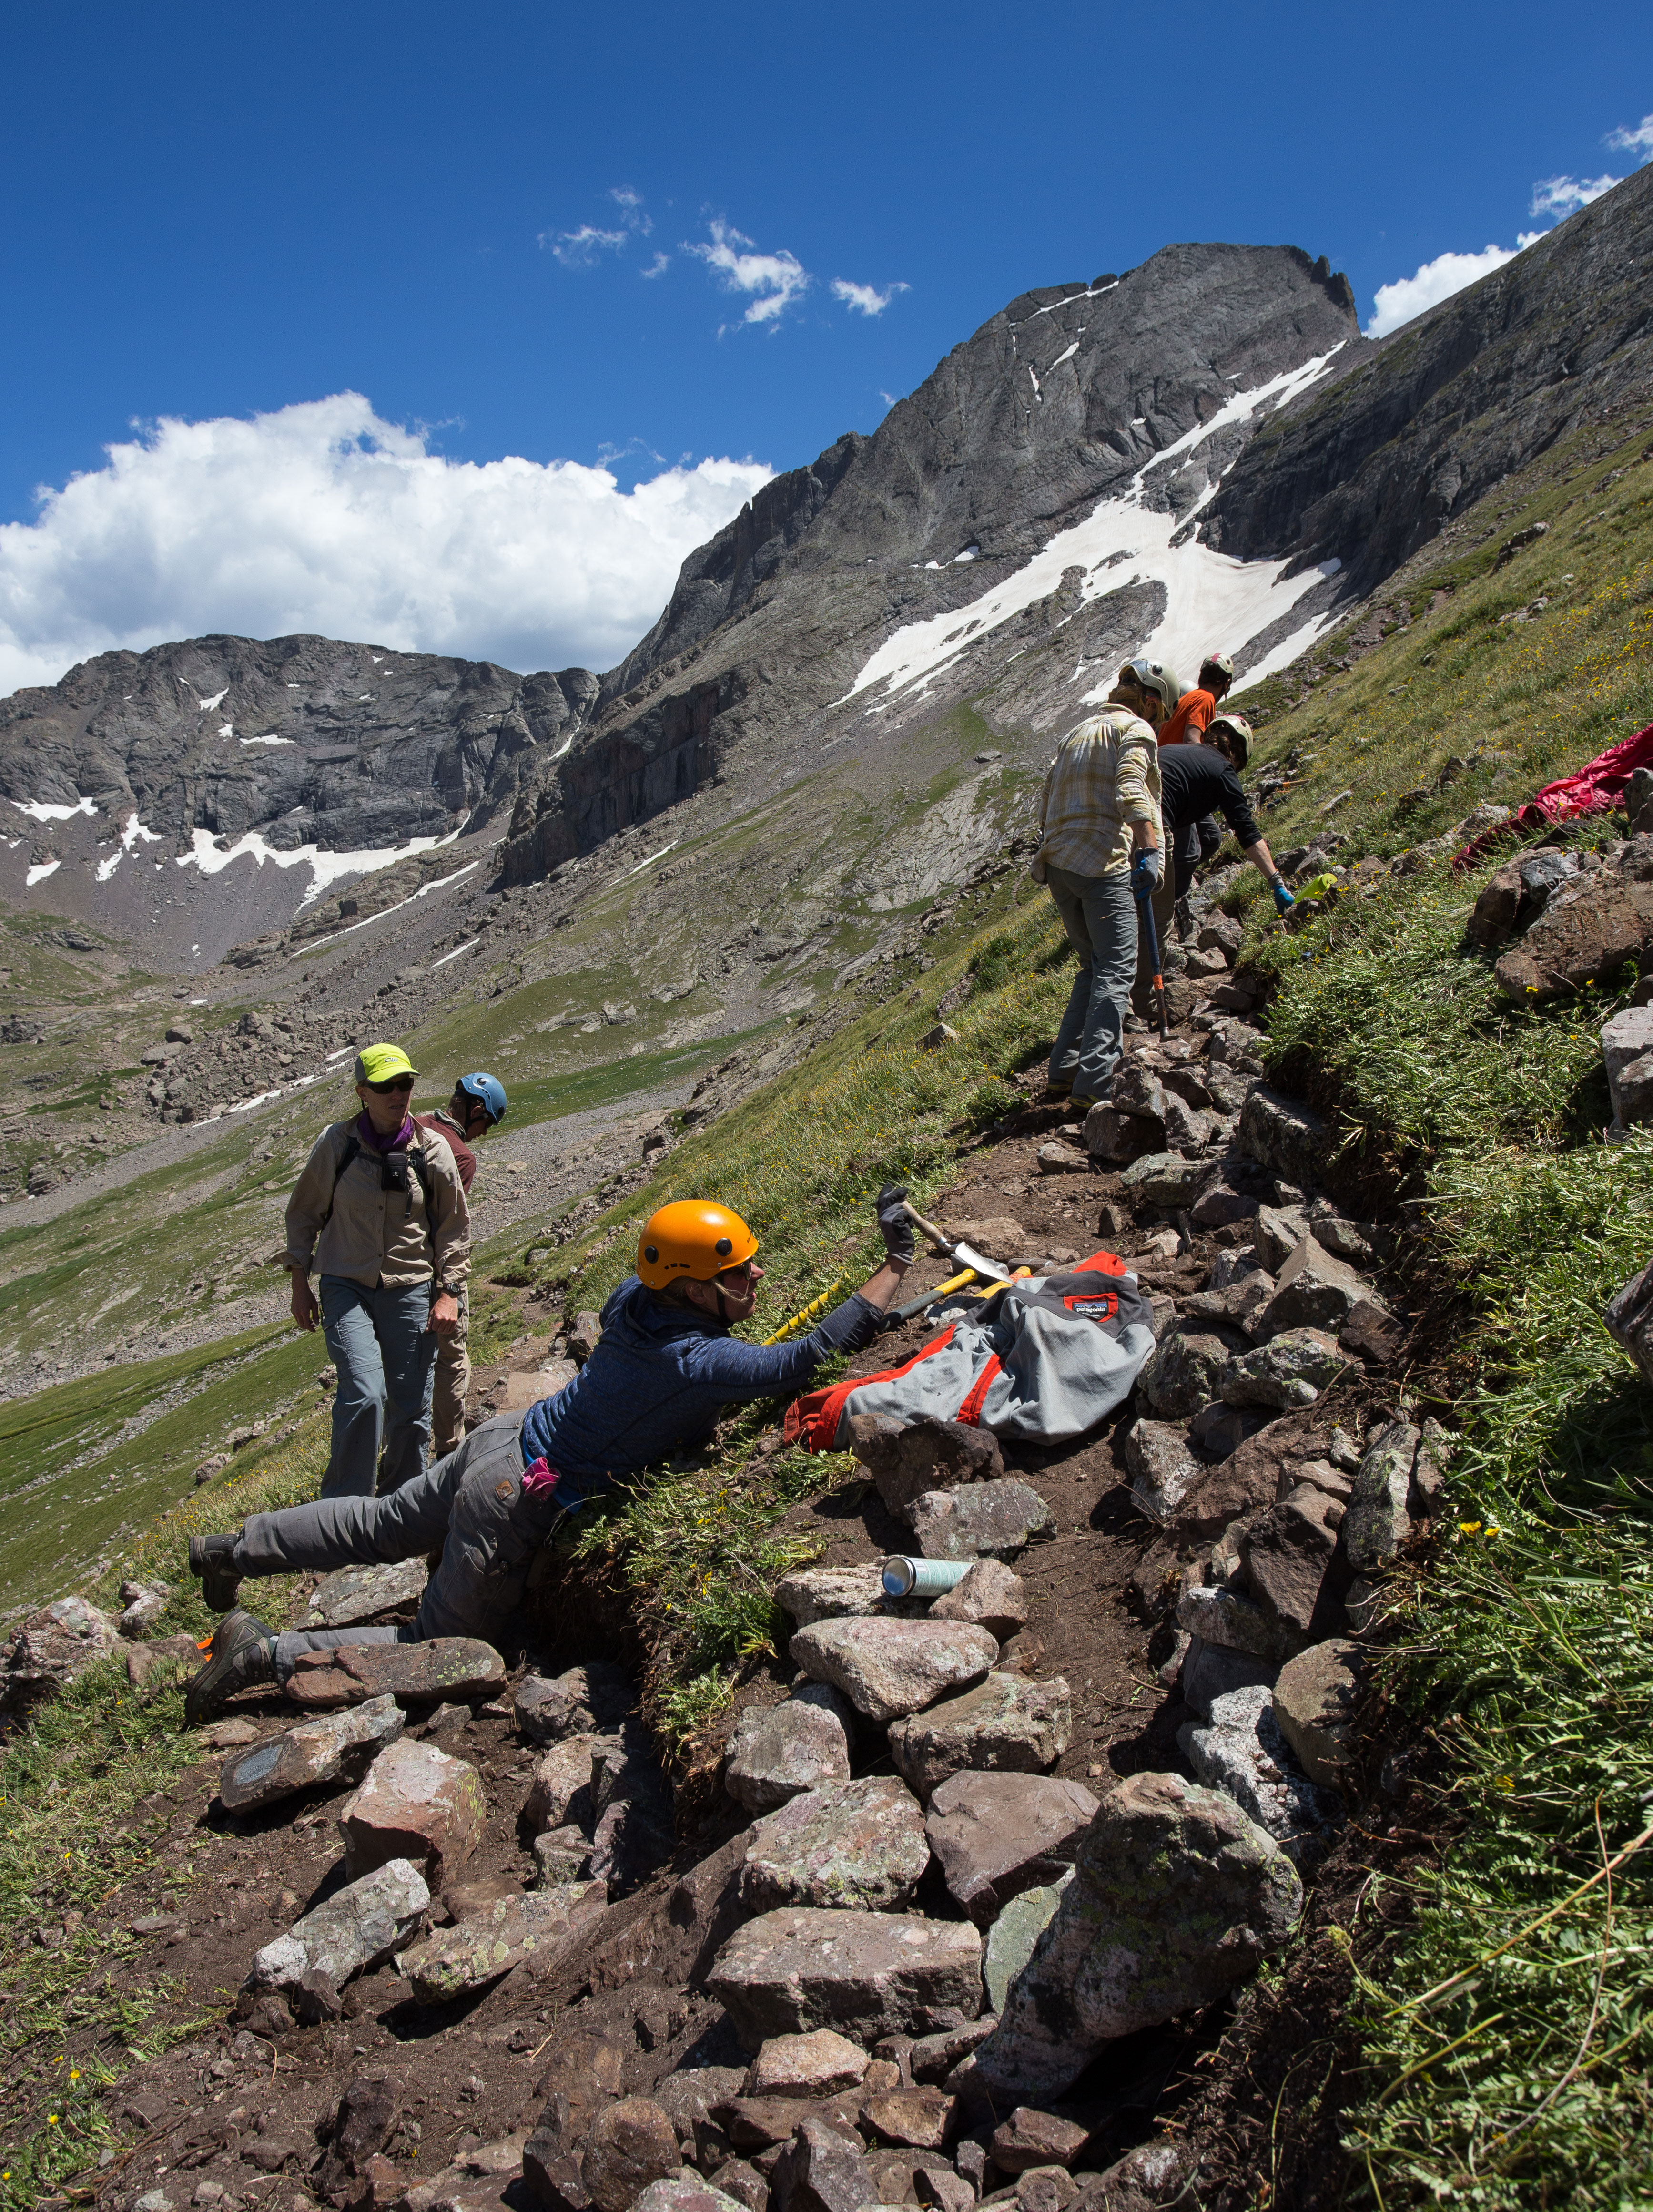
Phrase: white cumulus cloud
(1438,279)
(1638,139)
(775,279)
(866,299)
(322,517)
(1565,196)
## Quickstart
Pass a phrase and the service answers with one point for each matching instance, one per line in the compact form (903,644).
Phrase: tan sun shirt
(373,1236)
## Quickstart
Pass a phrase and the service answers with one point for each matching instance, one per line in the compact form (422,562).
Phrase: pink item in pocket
(541,1475)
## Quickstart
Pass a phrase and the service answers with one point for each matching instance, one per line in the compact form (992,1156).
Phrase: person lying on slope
(665,1366)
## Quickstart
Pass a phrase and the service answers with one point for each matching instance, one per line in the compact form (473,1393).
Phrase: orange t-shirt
(1194,710)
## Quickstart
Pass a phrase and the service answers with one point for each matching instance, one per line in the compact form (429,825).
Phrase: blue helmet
(488,1089)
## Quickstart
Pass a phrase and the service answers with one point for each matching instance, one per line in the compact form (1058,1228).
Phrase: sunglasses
(396,1082)
(738,1277)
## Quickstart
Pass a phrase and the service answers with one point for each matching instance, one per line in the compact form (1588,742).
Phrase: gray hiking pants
(470,1505)
(1099,915)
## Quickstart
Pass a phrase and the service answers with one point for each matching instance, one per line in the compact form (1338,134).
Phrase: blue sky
(216,214)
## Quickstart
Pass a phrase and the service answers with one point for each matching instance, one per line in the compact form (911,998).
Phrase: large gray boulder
(1177,1896)
(887,1669)
(1313,1290)
(1163,1469)
(1006,1725)
(996,1835)
(860,1844)
(365,1593)
(1315,1700)
(1377,1520)
(1285,1135)
(867,1974)
(926,1454)
(1014,1936)
(538,1924)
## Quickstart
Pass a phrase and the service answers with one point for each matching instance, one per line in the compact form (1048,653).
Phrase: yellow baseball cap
(379,1063)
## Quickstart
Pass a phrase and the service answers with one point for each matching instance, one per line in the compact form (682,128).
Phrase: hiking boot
(213,1558)
(1082,1102)
(241,1657)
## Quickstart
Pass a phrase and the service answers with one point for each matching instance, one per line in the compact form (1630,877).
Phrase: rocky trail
(955,1903)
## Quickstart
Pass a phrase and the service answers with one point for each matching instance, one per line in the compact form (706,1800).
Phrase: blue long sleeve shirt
(657,1380)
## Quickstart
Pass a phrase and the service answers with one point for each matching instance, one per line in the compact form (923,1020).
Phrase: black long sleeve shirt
(1196,780)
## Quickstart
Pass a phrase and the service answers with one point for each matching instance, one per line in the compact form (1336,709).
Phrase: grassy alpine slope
(1505,2029)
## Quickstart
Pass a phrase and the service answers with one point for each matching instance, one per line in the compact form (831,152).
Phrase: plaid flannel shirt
(1105,778)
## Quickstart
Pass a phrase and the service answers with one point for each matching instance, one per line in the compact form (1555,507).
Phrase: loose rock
(1242,1750)
(1314,1703)
(1314,1291)
(990,1596)
(1014,1936)
(365,1593)
(1183,1373)
(860,1844)
(997,1835)
(359,1926)
(1289,1370)
(815,2065)
(455,1667)
(813,1593)
(589,1700)
(1210,1670)
(1006,1725)
(867,1974)
(926,1454)
(887,1669)
(912,2119)
(559,1778)
(985,1520)
(45,1652)
(1029,2137)
(1283,1135)
(1162,1468)
(535,1925)
(1167,1179)
(415,1803)
(780,1751)
(823,2172)
(1378,1520)
(339,1748)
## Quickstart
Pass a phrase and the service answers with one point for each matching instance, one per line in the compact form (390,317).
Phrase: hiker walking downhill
(664,1366)
(1195,780)
(379,1212)
(1099,837)
(478,1104)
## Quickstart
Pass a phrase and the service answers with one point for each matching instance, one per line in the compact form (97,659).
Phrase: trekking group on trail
(380,1215)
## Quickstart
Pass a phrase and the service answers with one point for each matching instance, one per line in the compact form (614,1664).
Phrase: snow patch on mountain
(325,867)
(1209,596)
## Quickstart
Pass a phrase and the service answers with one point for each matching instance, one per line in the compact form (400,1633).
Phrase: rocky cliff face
(301,739)
(1370,467)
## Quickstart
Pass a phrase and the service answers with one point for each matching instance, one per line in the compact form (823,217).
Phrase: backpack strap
(352,1146)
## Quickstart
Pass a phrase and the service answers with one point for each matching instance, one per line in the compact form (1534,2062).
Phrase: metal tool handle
(1145,900)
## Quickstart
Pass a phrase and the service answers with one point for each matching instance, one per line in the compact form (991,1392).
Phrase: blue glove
(1147,871)
(1283,899)
(895,1225)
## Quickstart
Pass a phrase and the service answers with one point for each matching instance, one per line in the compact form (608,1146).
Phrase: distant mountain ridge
(1200,452)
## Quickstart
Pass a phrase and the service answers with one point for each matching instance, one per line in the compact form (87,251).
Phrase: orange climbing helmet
(692,1237)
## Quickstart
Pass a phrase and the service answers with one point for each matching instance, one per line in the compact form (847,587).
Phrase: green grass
(73,1831)
(1506,2031)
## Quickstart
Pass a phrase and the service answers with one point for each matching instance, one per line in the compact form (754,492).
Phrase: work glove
(1283,899)
(1147,871)
(895,1226)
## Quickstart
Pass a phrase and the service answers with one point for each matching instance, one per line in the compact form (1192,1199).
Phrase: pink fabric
(541,1475)
(1595,789)
(369,1135)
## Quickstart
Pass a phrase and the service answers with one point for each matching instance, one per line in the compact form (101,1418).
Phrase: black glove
(895,1225)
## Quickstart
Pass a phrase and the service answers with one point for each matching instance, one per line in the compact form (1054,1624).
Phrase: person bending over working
(378,1210)
(478,1104)
(1099,827)
(1193,718)
(1196,780)
(665,1367)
